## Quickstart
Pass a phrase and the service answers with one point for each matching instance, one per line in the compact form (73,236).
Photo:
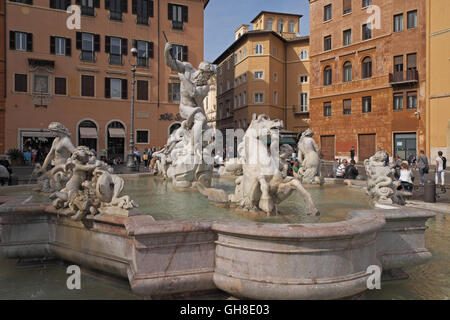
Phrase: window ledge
(327,21)
(346,14)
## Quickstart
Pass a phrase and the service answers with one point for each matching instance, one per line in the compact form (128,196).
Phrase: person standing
(441,164)
(422,164)
(352,153)
(350,171)
(145,158)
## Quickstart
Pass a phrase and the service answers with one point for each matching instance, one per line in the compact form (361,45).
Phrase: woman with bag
(422,164)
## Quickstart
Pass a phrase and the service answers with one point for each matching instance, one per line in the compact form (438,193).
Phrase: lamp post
(130,160)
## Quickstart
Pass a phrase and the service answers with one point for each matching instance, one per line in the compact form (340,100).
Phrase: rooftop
(280,13)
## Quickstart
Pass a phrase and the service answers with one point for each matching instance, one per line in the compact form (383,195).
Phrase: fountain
(178,243)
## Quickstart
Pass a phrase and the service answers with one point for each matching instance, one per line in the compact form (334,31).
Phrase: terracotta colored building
(368,75)
(210,102)
(438,78)
(2,75)
(265,71)
(82,77)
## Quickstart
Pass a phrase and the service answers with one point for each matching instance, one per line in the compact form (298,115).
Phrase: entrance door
(327,147)
(366,146)
(87,135)
(116,141)
(405,144)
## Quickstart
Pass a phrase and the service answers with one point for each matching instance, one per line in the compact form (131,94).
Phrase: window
(60,46)
(142,136)
(116,8)
(87,86)
(327,76)
(275,97)
(59,4)
(327,13)
(398,101)
(366,104)
(327,109)
(304,102)
(291,27)
(180,52)
(411,60)
(280,25)
(87,7)
(347,104)
(240,55)
(347,37)
(143,9)
(244,102)
(174,92)
(259,49)
(40,84)
(398,65)
(142,90)
(304,54)
(245,52)
(245,77)
(275,51)
(412,19)
(30,2)
(259,97)
(60,86)
(347,6)
(145,51)
(235,58)
(88,43)
(327,43)
(366,3)
(228,85)
(21,41)
(240,100)
(398,22)
(303,79)
(275,77)
(116,88)
(259,75)
(366,31)
(115,47)
(412,100)
(177,14)
(366,68)
(347,72)
(269,24)
(20,82)
(235,102)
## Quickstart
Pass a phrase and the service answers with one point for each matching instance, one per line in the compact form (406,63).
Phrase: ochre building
(265,71)
(368,75)
(81,77)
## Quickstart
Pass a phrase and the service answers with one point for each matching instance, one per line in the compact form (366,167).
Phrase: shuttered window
(20,82)
(347,103)
(142,90)
(143,9)
(59,4)
(327,109)
(22,41)
(412,61)
(347,6)
(87,86)
(60,86)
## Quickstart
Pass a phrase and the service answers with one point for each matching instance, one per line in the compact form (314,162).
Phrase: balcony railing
(398,77)
(177,25)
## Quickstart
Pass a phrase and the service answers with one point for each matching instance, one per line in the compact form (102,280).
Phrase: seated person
(406,178)
(340,172)
(350,171)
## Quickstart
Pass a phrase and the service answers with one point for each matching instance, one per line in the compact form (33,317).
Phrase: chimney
(241,31)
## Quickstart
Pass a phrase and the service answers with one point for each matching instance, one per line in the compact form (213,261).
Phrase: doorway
(405,144)
(116,141)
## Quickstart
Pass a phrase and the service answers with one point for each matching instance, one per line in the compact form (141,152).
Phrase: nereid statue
(381,184)
(308,155)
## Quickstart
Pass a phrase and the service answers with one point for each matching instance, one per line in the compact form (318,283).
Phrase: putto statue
(186,155)
(91,189)
(308,156)
(264,183)
(62,147)
(381,184)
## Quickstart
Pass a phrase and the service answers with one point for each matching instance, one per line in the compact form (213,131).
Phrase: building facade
(368,75)
(210,102)
(2,75)
(82,77)
(265,71)
(438,77)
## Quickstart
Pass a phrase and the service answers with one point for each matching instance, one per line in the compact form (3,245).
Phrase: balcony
(177,25)
(398,78)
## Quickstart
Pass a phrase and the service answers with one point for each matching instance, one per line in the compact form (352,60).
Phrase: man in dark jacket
(350,171)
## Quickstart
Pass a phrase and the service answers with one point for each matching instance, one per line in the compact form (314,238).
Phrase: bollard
(430,191)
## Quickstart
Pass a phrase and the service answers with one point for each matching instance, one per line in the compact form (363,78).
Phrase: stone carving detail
(182,159)
(264,183)
(91,188)
(381,184)
(308,155)
(62,147)
(232,167)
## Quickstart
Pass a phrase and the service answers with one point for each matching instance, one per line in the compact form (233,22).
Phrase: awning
(288,140)
(116,133)
(88,133)
(45,134)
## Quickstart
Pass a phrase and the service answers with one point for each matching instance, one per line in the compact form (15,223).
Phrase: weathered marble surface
(309,157)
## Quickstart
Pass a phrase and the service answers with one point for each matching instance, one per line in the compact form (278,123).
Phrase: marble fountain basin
(288,258)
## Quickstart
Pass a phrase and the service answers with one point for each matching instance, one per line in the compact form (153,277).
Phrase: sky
(222,17)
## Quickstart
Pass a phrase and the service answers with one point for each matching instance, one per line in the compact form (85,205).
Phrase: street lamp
(130,160)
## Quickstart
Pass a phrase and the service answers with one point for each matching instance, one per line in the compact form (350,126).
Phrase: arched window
(291,27)
(280,25)
(347,72)
(87,134)
(327,76)
(269,25)
(366,68)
